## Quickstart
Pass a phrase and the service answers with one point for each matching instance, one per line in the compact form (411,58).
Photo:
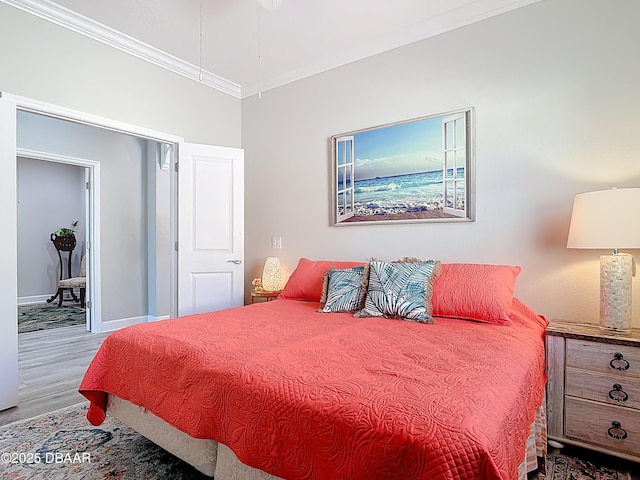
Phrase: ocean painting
(409,195)
(415,170)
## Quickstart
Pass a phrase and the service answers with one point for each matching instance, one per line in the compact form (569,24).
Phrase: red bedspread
(302,394)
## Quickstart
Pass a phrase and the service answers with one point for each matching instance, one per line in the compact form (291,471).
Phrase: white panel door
(210,228)
(8,258)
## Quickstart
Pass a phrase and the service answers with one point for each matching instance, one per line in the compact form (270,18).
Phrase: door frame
(8,259)
(9,106)
(63,113)
(92,220)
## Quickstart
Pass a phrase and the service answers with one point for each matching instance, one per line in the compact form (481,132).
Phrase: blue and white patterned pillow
(400,290)
(346,289)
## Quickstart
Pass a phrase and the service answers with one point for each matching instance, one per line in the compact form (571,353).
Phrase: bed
(306,386)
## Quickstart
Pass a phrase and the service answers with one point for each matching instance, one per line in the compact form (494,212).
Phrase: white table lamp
(272,275)
(609,219)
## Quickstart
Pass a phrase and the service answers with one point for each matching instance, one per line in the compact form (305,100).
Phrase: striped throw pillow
(400,290)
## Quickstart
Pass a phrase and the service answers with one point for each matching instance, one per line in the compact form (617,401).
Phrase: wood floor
(51,366)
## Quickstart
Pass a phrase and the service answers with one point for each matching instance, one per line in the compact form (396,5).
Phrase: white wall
(555,89)
(50,196)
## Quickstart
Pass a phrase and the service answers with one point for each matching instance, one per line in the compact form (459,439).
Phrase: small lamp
(272,275)
(609,219)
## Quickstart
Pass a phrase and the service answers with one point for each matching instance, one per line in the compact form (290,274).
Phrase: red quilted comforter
(302,394)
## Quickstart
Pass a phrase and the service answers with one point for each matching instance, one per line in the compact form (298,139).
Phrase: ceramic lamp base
(615,293)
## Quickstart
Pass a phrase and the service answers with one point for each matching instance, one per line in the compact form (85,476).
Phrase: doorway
(129,241)
(53,193)
(138,216)
(124,282)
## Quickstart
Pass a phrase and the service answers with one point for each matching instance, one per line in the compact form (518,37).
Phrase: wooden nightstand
(263,294)
(593,391)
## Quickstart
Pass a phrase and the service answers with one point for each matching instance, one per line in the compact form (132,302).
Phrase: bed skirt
(215,459)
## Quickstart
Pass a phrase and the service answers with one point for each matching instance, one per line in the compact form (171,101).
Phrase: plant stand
(63,244)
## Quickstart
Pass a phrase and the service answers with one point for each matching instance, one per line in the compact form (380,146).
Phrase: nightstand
(593,388)
(263,294)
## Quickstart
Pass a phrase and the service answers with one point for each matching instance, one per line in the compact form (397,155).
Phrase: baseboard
(117,324)
(33,299)
(157,319)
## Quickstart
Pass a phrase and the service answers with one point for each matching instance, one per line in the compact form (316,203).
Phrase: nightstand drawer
(603,388)
(595,423)
(604,358)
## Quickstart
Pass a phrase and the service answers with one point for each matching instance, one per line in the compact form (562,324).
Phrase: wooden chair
(75,282)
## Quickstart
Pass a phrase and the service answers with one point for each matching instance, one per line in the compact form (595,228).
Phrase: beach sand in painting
(419,215)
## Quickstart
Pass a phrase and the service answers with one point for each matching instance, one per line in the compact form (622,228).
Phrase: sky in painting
(399,149)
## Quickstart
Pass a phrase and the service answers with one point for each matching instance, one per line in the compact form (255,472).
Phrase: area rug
(62,445)
(42,316)
(562,467)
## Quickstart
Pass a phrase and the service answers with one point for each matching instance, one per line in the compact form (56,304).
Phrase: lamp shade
(272,275)
(606,219)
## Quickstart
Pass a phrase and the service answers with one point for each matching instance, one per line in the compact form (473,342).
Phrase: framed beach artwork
(419,170)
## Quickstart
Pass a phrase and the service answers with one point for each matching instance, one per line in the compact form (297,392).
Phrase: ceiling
(242,48)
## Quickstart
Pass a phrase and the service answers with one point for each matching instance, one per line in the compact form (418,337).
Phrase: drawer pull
(618,362)
(618,394)
(616,431)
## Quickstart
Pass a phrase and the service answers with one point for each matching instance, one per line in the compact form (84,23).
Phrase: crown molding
(85,26)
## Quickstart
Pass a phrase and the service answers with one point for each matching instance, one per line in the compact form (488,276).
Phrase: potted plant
(64,238)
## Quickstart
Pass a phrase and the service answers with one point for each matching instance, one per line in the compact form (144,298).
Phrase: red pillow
(306,280)
(475,292)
